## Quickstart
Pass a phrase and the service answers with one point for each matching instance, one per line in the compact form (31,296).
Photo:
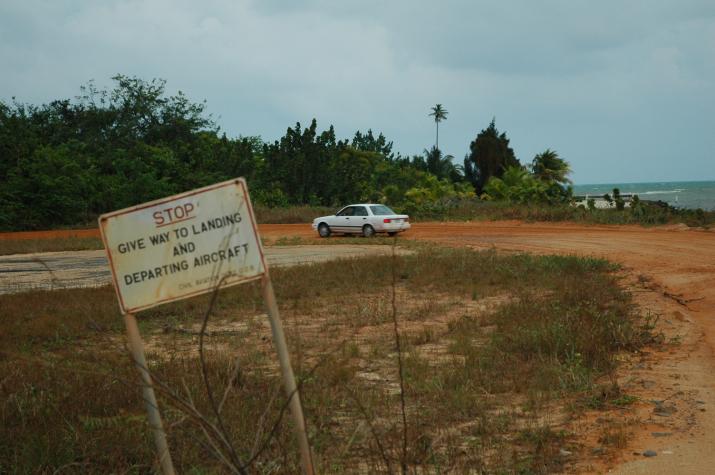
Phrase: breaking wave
(660,192)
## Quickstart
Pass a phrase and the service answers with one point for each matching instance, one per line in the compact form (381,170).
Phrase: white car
(364,218)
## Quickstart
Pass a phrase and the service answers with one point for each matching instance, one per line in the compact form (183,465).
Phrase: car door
(342,222)
(335,220)
(360,218)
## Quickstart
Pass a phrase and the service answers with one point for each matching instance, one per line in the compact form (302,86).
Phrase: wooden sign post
(291,389)
(136,347)
(187,245)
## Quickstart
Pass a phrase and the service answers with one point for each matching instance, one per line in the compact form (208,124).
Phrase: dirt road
(672,273)
(678,264)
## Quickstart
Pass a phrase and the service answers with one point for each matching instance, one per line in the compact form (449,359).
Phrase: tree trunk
(437,141)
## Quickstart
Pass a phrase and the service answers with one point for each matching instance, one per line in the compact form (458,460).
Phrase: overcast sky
(624,90)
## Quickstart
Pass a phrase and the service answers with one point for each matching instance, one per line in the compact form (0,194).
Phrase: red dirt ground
(671,271)
(674,265)
(56,234)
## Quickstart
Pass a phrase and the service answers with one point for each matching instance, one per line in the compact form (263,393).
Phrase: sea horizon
(644,182)
(681,194)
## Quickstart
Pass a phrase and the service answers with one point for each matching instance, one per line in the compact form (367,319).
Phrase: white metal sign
(183,245)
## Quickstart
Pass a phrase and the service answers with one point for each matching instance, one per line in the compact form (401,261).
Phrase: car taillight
(387,220)
(407,219)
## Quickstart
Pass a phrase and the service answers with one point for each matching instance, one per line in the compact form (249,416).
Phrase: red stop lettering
(173,214)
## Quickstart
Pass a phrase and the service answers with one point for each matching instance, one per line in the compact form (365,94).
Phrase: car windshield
(381,210)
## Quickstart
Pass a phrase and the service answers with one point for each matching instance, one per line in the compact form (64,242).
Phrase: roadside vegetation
(64,163)
(646,213)
(497,353)
(640,213)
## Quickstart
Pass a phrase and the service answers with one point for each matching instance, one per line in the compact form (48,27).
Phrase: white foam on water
(660,192)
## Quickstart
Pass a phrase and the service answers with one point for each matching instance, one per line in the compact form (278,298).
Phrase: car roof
(365,204)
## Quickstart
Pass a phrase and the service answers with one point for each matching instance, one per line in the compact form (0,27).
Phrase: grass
(648,214)
(27,246)
(615,435)
(291,214)
(342,239)
(492,347)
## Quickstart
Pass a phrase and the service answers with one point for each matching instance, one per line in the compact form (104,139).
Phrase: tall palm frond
(549,167)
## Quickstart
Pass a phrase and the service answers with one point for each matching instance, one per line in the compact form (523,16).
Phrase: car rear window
(381,210)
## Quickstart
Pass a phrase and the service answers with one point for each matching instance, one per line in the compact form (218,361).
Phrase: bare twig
(262,419)
(352,438)
(213,446)
(209,391)
(403,458)
(373,431)
(72,464)
(229,386)
(185,405)
(135,468)
(188,407)
(53,278)
(286,404)
(274,429)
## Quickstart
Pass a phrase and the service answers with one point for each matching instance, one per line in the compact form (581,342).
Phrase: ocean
(681,194)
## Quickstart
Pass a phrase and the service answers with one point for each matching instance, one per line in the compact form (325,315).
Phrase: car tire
(368,231)
(392,233)
(324,230)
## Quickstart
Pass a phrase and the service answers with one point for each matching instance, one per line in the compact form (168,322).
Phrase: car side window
(349,211)
(360,211)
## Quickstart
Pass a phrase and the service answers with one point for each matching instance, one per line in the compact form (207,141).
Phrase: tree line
(65,162)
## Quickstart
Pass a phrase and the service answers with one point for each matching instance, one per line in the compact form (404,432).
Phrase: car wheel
(392,233)
(368,231)
(324,230)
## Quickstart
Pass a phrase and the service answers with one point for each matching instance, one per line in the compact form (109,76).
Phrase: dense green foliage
(550,168)
(490,156)
(65,162)
(547,183)
(516,185)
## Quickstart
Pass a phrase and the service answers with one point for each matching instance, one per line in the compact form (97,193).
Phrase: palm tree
(439,165)
(549,167)
(439,113)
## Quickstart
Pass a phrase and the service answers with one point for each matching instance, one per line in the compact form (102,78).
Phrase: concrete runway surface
(73,269)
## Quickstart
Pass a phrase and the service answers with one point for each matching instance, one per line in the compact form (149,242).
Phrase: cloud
(615,87)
